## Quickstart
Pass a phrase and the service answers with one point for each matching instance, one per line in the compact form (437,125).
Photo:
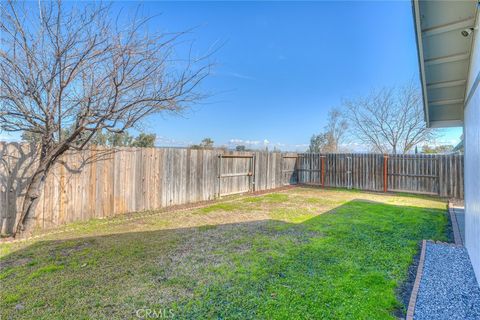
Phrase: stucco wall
(472,159)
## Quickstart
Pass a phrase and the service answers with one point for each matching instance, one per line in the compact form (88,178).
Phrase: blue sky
(283,65)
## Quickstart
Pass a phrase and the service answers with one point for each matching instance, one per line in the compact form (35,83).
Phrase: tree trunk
(32,196)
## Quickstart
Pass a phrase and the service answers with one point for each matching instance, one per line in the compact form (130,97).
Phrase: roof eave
(421,65)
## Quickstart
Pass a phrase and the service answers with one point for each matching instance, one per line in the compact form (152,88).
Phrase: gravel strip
(448,289)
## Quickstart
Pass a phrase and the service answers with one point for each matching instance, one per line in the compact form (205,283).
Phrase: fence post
(253,172)
(385,168)
(219,175)
(323,170)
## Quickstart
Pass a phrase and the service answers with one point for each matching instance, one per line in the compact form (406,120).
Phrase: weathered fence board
(417,173)
(100,183)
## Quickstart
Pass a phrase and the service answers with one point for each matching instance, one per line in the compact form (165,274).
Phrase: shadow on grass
(344,265)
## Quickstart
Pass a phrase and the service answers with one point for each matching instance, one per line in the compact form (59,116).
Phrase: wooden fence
(100,183)
(440,175)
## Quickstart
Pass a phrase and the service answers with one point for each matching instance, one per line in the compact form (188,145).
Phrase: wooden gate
(236,174)
(413,174)
(289,170)
(329,170)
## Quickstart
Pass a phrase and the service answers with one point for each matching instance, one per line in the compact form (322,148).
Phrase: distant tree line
(446,148)
(108,139)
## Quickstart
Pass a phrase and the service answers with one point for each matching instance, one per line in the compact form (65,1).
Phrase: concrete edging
(416,285)
(453,218)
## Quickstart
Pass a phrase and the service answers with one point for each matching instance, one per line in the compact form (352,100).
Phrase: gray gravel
(448,289)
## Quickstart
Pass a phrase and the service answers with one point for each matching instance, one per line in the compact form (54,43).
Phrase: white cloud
(237,75)
(236,142)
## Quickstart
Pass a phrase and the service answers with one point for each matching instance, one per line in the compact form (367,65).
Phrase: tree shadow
(344,263)
(17,164)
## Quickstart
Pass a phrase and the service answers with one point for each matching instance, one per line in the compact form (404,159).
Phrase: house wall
(472,159)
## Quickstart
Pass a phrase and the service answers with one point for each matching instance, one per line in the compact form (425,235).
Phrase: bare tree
(330,139)
(77,67)
(389,120)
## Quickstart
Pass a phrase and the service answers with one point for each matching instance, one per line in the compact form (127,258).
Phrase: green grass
(43,270)
(303,254)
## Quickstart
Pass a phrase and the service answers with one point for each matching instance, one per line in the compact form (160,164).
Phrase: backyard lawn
(303,253)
